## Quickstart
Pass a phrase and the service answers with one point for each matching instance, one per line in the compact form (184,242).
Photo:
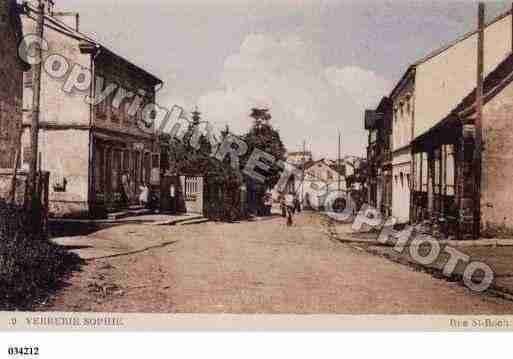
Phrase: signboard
(371,118)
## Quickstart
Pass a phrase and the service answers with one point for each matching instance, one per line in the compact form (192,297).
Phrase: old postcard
(255,165)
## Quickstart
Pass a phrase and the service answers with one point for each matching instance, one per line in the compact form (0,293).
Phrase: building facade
(320,180)
(97,153)
(378,123)
(463,191)
(402,131)
(11,90)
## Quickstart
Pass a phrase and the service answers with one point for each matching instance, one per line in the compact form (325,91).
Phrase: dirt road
(258,267)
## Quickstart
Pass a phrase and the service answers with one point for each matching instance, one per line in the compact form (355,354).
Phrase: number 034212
(23,351)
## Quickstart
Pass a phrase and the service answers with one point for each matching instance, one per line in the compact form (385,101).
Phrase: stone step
(178,220)
(194,221)
(129,213)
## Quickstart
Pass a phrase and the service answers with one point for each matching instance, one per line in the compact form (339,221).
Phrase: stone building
(402,97)
(448,187)
(98,154)
(11,78)
(379,156)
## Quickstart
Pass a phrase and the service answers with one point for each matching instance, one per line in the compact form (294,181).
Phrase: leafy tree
(222,182)
(264,137)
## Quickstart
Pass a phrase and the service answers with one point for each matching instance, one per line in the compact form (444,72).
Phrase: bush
(31,267)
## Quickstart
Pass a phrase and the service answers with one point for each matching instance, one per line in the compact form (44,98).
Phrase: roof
(322,161)
(411,69)
(301,153)
(79,35)
(496,80)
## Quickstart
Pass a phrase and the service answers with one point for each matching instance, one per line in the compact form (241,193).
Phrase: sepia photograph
(301,164)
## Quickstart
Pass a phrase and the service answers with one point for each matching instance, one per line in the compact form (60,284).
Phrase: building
(11,77)
(378,123)
(321,178)
(403,115)
(95,153)
(299,158)
(454,184)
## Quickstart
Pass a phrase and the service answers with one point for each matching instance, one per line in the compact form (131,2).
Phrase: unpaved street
(258,267)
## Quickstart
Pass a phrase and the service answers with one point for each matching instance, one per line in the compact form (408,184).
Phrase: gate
(193,194)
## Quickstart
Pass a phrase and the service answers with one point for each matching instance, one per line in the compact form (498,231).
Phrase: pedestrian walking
(268,203)
(297,204)
(283,207)
(289,203)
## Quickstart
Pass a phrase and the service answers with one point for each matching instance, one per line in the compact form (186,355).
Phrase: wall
(403,115)
(497,164)
(64,134)
(65,154)
(443,81)
(11,80)
(59,108)
(401,189)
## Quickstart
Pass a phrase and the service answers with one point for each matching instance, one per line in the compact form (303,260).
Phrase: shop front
(121,168)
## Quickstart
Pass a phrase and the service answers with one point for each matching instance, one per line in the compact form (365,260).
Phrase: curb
(434,272)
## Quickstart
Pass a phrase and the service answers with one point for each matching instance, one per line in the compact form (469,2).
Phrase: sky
(317,65)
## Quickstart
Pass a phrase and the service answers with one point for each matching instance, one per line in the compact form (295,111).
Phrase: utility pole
(32,190)
(303,171)
(338,162)
(479,121)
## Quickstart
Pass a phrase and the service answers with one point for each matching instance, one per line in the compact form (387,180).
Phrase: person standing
(125,188)
(289,203)
(144,196)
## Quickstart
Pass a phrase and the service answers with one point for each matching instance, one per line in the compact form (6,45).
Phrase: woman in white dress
(143,197)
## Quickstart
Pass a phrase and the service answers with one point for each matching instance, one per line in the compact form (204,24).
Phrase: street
(255,267)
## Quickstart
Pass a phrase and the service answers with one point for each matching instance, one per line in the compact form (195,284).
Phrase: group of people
(126,191)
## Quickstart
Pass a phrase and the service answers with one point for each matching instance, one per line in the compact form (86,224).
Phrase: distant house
(321,178)
(299,158)
(95,153)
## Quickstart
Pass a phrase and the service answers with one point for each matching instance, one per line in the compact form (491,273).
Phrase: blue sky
(316,64)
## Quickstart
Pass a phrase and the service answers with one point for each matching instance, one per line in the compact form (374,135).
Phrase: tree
(221,180)
(360,176)
(264,137)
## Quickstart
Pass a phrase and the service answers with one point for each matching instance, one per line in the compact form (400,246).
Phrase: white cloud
(307,101)
(364,86)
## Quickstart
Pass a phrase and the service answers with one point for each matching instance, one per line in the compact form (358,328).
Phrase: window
(424,172)
(102,109)
(449,166)
(28,78)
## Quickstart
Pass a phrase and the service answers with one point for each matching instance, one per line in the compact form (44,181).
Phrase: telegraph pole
(478,121)
(32,190)
(303,170)
(338,161)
